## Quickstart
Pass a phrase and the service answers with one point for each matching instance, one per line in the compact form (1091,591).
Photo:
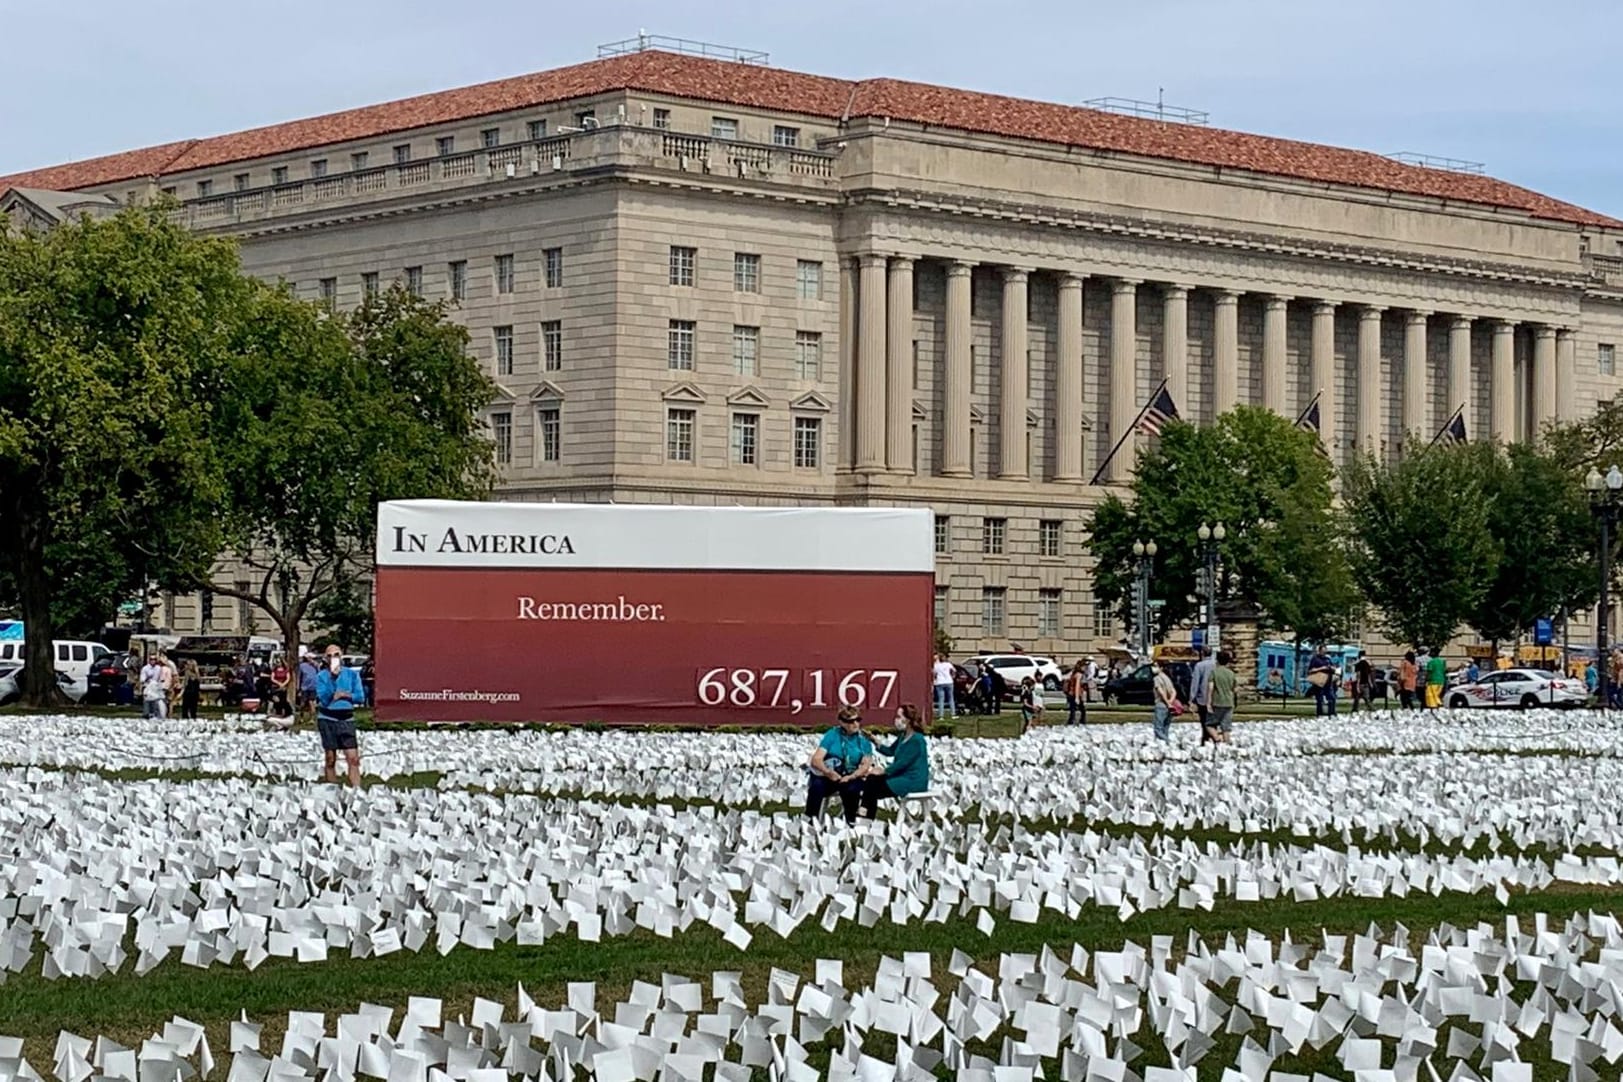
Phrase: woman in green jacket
(909,771)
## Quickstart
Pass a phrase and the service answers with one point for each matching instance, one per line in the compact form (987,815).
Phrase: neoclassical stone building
(708,281)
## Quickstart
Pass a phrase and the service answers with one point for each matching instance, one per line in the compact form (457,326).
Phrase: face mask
(333,663)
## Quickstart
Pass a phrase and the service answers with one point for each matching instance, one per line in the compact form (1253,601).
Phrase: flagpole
(1159,387)
(1446,425)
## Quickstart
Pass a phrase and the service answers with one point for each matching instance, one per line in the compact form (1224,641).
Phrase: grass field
(128,1009)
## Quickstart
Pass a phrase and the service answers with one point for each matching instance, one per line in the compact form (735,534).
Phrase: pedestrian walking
(338,689)
(1436,680)
(1166,701)
(1363,685)
(155,682)
(1322,678)
(942,675)
(1222,688)
(1091,669)
(191,691)
(1200,680)
(1076,694)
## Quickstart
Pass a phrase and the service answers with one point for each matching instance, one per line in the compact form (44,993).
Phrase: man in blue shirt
(308,671)
(842,759)
(338,691)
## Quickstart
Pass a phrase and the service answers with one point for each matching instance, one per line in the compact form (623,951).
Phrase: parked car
(109,677)
(1521,688)
(1014,668)
(1136,686)
(11,684)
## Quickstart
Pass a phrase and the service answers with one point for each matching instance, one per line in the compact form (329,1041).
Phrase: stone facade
(888,313)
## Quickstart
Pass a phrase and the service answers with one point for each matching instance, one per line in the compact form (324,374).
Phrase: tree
(1423,551)
(346,615)
(1267,482)
(113,334)
(1538,516)
(327,416)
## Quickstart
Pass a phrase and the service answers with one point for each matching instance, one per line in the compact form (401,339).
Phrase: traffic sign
(1543,631)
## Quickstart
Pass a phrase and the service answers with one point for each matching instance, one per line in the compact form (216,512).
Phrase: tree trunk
(34,597)
(290,643)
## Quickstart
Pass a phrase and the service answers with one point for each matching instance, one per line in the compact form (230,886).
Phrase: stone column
(1012,465)
(1416,422)
(1502,404)
(871,365)
(1124,403)
(899,369)
(1369,379)
(1068,383)
(848,363)
(1459,367)
(1175,345)
(1543,379)
(1226,352)
(1322,370)
(1566,375)
(1274,314)
(955,437)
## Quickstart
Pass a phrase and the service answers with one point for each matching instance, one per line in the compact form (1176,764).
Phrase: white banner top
(450,533)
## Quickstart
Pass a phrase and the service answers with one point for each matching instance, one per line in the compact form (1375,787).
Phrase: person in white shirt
(1091,683)
(942,675)
(156,679)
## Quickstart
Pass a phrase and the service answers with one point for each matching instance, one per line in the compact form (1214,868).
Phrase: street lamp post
(1144,559)
(1210,537)
(1605,500)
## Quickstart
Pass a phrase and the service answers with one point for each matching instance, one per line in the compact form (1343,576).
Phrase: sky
(1528,89)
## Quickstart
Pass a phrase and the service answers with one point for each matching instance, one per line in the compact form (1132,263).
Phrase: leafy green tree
(1423,549)
(1267,482)
(1538,515)
(328,415)
(113,335)
(346,616)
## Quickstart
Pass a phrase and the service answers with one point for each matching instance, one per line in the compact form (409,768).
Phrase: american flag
(1453,431)
(1156,415)
(1309,420)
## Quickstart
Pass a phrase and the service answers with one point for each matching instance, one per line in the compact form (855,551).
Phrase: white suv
(1014,668)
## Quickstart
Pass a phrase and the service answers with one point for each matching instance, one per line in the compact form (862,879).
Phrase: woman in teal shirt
(909,771)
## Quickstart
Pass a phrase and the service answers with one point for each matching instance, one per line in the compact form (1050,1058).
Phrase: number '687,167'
(797,689)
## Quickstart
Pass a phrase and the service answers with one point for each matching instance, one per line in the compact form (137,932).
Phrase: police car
(1520,688)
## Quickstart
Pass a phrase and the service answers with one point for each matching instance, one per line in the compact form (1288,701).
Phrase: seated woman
(909,771)
(839,765)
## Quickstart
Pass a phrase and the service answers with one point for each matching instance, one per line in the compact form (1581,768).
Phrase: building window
(662,119)
(994,610)
(501,432)
(679,345)
(240,182)
(553,260)
(552,345)
(1104,623)
(329,291)
(279,175)
(916,355)
(549,429)
(168,191)
(745,439)
(1048,537)
(586,118)
(939,610)
(358,159)
(943,534)
(205,188)
(785,136)
(402,154)
(414,281)
(682,260)
(504,274)
(915,447)
(1048,601)
(490,137)
(318,168)
(679,435)
(459,279)
(537,129)
(809,279)
(723,127)
(808,443)
(445,145)
(808,355)
(369,284)
(992,531)
(504,350)
(746,351)
(746,272)
(1606,359)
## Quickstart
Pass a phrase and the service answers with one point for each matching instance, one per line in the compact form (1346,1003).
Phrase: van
(73,656)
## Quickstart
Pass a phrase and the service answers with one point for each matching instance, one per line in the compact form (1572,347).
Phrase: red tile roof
(730,83)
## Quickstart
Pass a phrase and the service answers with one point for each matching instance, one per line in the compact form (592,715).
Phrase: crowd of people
(977,687)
